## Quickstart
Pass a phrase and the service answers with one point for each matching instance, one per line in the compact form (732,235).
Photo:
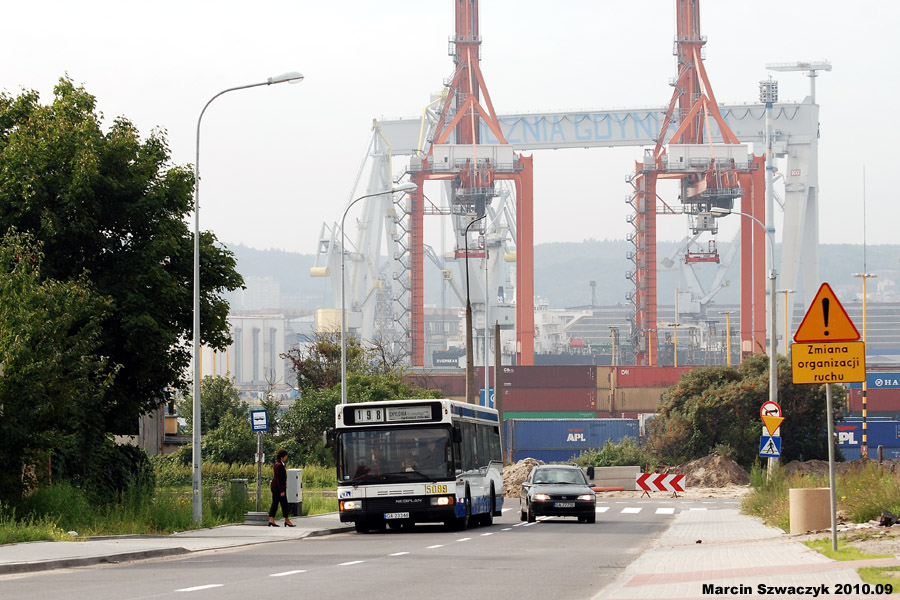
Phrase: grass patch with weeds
(879,576)
(844,552)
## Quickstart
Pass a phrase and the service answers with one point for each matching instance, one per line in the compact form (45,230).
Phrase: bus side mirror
(457,435)
(590,472)
(328,438)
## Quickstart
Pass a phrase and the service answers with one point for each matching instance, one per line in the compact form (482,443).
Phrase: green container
(548,414)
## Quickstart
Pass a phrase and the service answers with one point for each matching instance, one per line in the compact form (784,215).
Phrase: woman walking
(279,490)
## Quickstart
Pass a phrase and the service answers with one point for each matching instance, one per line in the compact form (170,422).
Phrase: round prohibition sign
(770,409)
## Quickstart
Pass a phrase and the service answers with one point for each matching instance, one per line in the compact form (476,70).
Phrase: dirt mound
(713,471)
(818,468)
(514,475)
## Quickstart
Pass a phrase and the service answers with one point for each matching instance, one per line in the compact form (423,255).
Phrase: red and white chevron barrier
(651,482)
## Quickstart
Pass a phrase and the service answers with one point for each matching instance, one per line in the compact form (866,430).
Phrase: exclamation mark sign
(825,303)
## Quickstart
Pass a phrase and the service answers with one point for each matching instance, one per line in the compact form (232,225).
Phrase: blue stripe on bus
(478,414)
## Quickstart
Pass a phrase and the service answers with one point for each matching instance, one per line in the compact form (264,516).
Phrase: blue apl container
(559,440)
(879,432)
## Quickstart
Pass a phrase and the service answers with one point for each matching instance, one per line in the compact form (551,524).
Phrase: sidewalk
(733,555)
(40,556)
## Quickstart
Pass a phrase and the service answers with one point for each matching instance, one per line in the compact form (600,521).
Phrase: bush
(628,452)
(62,502)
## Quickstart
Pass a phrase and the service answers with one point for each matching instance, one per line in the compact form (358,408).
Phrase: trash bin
(238,491)
(294,493)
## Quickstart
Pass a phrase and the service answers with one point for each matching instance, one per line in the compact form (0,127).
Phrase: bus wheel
(361,527)
(487,519)
(462,523)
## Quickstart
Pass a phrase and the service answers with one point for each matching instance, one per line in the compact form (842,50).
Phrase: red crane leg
(525,263)
(417,275)
(645,270)
(760,243)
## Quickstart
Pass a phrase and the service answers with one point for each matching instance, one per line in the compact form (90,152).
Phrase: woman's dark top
(279,479)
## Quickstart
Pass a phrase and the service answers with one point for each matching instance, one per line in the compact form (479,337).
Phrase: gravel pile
(713,471)
(514,475)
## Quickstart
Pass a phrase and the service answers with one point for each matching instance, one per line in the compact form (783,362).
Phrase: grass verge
(874,576)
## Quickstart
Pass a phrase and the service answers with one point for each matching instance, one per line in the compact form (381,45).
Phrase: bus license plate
(564,505)
(401,515)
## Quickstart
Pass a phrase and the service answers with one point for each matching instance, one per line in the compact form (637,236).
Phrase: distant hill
(562,274)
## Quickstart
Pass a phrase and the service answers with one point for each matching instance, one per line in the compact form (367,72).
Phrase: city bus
(403,462)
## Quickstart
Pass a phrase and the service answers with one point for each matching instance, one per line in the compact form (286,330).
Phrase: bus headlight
(351,504)
(442,500)
(588,497)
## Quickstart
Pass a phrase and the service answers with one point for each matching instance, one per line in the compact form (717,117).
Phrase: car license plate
(564,505)
(401,515)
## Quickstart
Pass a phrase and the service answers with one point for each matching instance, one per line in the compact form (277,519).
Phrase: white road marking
(435,546)
(665,511)
(486,534)
(398,554)
(505,509)
(200,587)
(704,508)
(630,510)
(463,539)
(352,562)
(507,528)
(286,573)
(601,509)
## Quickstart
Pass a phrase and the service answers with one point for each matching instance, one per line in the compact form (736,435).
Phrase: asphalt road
(553,558)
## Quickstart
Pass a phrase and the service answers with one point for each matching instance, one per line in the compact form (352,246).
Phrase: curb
(65,563)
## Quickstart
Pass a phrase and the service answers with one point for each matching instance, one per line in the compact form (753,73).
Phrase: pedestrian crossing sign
(770,446)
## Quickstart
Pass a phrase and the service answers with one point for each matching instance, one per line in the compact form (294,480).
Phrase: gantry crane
(456,155)
(710,175)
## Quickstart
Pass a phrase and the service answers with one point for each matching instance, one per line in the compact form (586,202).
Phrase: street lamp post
(405,187)
(470,358)
(196,502)
(773,358)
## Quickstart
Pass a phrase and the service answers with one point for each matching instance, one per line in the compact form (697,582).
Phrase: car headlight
(351,504)
(588,497)
(442,500)
(540,497)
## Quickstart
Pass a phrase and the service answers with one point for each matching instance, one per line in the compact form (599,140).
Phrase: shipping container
(547,414)
(449,384)
(877,400)
(539,399)
(603,399)
(879,432)
(605,377)
(876,380)
(638,399)
(559,440)
(546,376)
(649,376)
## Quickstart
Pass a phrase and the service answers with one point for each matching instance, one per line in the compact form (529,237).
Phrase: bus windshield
(394,454)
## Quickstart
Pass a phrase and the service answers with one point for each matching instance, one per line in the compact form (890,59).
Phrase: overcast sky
(278,161)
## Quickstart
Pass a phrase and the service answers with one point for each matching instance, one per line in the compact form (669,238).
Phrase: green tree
(218,400)
(718,408)
(232,441)
(54,380)
(111,205)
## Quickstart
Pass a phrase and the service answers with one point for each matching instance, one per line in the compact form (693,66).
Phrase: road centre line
(463,539)
(489,533)
(398,554)
(287,573)
(201,587)
(352,562)
(435,546)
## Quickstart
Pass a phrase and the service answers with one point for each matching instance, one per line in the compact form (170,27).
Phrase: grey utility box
(294,495)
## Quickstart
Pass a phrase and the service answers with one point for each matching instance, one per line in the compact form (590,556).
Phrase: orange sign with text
(826,320)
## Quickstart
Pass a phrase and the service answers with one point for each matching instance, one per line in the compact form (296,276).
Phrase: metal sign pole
(259,449)
(828,407)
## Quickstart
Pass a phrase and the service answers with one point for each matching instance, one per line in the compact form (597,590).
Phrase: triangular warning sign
(826,320)
(772,424)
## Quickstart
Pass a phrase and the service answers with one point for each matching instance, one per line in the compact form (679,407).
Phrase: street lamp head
(718,210)
(409,186)
(292,77)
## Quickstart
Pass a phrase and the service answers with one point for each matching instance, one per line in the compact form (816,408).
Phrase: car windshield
(559,476)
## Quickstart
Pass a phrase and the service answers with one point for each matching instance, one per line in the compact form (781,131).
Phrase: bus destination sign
(391,414)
